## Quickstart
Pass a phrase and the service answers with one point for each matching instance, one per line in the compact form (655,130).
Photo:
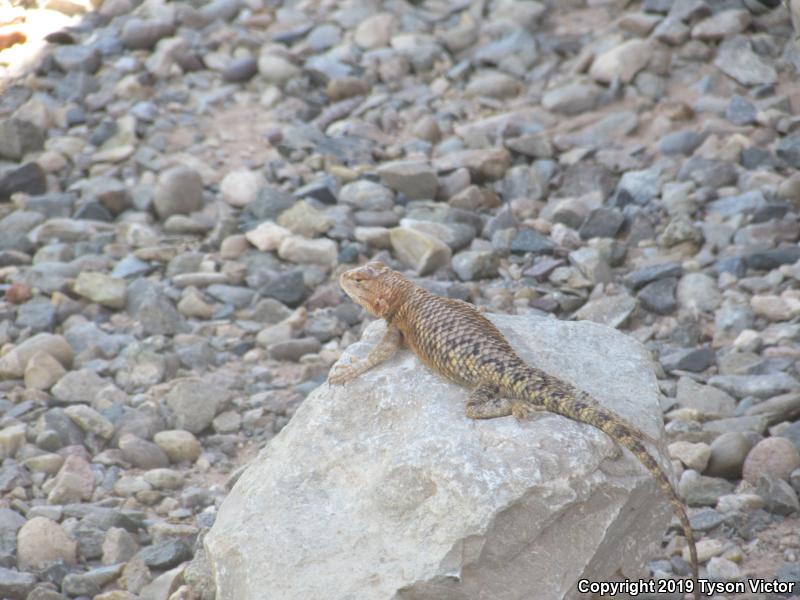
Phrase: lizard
(457,342)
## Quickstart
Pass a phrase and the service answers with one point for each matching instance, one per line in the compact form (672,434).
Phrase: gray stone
(367,195)
(78,386)
(475,264)
(154,311)
(638,187)
(698,490)
(240,69)
(788,150)
(602,222)
(140,34)
(779,497)
(707,172)
(38,314)
(685,141)
(15,585)
(166,554)
(760,386)
(418,250)
(10,522)
(572,98)
(698,292)
(740,111)
(29,178)
(747,202)
(416,180)
(77,58)
(687,359)
(528,240)
(612,311)
(659,296)
(293,350)
(238,296)
(736,59)
(641,277)
(179,191)
(705,399)
(141,453)
(399,497)
(194,403)
(18,138)
(728,452)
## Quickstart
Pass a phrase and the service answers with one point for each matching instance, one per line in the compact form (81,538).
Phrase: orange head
(373,286)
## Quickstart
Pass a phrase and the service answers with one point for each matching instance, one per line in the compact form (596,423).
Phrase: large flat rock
(383,489)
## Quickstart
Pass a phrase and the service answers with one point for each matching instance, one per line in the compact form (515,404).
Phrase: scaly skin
(459,343)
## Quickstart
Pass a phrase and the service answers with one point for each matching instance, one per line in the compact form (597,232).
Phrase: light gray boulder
(384,490)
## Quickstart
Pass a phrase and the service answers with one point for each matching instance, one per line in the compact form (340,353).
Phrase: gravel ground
(181,182)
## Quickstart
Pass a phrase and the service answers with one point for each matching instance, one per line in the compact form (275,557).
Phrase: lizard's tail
(557,396)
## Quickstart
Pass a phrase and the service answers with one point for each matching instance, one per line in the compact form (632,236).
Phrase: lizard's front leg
(383,351)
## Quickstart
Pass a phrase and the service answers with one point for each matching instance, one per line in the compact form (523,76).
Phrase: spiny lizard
(455,340)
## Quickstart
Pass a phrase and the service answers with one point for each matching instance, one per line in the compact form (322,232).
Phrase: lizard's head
(370,286)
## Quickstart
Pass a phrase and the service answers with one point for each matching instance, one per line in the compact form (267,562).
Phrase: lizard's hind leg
(484,403)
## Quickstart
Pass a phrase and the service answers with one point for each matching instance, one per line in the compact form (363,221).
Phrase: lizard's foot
(341,374)
(491,409)
(483,403)
(522,410)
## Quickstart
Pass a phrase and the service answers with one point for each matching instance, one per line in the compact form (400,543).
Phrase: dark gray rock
(77,58)
(659,296)
(10,522)
(166,554)
(38,313)
(789,573)
(141,34)
(15,585)
(29,178)
(288,287)
(767,260)
(153,309)
(641,277)
(637,187)
(324,189)
(235,295)
(740,111)
(755,158)
(56,430)
(788,150)
(792,433)
(292,350)
(779,497)
(706,520)
(734,265)
(528,240)
(12,476)
(18,138)
(602,222)
(746,202)
(52,205)
(685,141)
(688,359)
(706,172)
(240,69)
(76,85)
